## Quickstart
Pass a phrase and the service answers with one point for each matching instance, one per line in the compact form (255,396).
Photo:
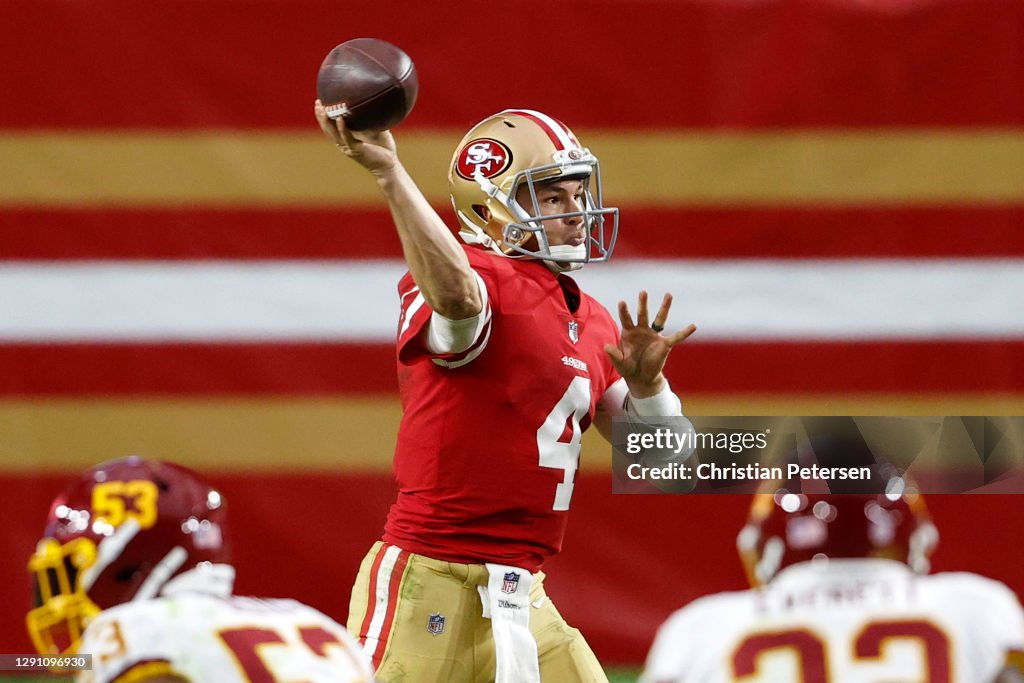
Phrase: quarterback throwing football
(502,363)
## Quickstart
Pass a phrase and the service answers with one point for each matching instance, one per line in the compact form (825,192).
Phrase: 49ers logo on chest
(484,156)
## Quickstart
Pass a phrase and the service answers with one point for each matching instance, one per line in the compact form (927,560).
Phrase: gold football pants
(421,621)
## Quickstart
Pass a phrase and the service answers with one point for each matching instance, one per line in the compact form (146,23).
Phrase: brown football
(369,82)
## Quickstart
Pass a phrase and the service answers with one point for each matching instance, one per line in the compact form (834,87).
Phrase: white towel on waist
(506,601)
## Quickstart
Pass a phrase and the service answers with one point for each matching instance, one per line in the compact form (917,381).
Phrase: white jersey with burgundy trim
(205,638)
(855,621)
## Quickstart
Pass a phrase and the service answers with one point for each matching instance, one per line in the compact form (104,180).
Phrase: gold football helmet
(520,147)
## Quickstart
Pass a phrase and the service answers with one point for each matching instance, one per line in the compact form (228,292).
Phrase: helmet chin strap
(109,549)
(566,251)
(771,559)
(161,573)
(558,267)
(492,190)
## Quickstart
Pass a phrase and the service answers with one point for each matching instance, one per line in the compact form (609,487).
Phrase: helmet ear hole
(482,211)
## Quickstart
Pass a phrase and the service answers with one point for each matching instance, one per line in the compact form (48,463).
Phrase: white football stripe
(380,600)
(268,300)
(358,300)
(850,299)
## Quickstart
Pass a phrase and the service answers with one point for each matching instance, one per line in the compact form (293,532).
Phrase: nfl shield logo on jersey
(435,624)
(511,582)
(574,331)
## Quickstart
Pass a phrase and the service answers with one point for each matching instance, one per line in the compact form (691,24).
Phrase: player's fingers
(641,309)
(662,316)
(624,317)
(326,124)
(681,335)
(348,138)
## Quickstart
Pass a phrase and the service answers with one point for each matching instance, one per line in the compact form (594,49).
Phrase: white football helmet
(520,147)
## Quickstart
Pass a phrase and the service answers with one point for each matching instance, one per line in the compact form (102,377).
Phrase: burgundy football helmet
(121,532)
(785,528)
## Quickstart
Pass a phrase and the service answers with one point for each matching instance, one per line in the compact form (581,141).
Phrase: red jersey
(488,449)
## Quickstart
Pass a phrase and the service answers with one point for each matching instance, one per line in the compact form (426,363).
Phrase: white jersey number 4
(562,455)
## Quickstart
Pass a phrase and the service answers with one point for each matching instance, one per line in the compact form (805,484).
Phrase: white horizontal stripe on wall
(358,301)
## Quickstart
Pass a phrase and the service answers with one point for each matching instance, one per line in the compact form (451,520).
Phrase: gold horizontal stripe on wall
(229,168)
(335,434)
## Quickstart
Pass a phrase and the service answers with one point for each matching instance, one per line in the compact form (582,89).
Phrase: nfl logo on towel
(435,624)
(510,583)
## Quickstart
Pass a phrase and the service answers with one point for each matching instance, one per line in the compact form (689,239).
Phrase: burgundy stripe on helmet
(552,135)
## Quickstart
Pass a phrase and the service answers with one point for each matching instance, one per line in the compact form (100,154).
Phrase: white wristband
(663,404)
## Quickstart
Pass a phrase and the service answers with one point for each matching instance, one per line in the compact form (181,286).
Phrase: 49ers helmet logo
(485,156)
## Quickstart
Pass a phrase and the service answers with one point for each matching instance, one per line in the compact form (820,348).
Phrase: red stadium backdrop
(834,191)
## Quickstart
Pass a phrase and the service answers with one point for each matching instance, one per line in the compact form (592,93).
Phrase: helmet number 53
(558,454)
(116,501)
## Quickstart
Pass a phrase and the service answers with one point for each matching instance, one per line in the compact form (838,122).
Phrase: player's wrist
(391,177)
(386,173)
(643,390)
(664,403)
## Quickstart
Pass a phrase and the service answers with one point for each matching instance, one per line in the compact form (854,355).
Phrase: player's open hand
(643,349)
(375,151)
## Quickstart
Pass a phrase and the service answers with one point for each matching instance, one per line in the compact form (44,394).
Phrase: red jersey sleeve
(416,314)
